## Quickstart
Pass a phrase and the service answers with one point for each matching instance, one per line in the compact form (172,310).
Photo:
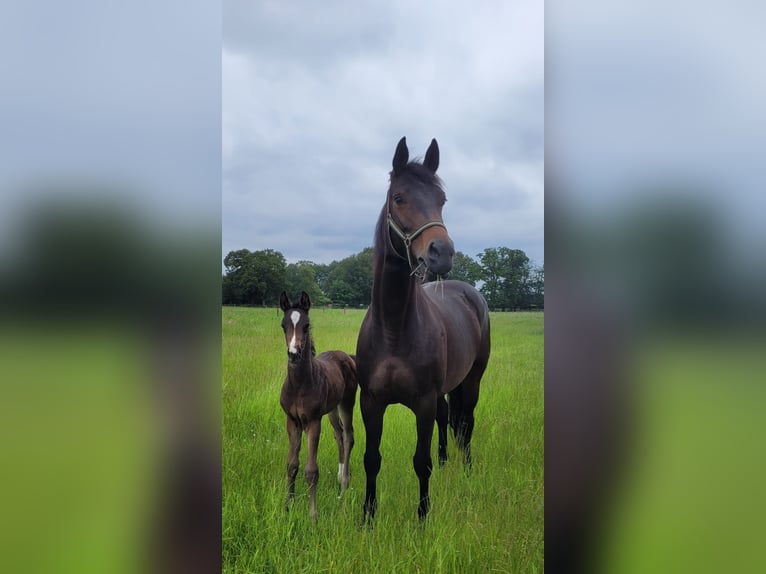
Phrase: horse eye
(306,328)
(398,199)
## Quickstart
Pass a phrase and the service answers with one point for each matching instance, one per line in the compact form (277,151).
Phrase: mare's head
(296,326)
(414,212)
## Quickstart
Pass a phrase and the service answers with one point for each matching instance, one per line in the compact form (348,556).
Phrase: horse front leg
(372,415)
(294,436)
(422,462)
(312,469)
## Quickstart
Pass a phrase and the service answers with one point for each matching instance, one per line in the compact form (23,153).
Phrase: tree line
(506,278)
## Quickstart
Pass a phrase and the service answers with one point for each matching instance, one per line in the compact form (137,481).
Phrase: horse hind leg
(337,431)
(464,420)
(455,410)
(442,413)
(461,421)
(347,423)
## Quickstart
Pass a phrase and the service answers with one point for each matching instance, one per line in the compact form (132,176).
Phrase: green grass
(689,499)
(77,445)
(490,521)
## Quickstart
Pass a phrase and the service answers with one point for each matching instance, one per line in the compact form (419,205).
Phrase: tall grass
(489,521)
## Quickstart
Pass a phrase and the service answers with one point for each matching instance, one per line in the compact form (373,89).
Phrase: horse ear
(305,300)
(284,301)
(432,156)
(401,156)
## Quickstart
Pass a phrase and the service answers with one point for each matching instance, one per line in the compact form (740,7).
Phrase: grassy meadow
(490,521)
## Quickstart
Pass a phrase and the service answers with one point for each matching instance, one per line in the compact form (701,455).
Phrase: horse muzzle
(294,358)
(438,256)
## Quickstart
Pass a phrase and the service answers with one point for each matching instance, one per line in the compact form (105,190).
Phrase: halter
(408,237)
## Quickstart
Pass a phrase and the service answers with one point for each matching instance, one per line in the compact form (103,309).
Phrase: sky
(121,102)
(315,97)
(657,101)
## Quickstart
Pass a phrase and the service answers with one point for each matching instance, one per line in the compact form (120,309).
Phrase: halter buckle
(408,237)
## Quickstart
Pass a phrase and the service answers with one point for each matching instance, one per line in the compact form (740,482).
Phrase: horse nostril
(440,254)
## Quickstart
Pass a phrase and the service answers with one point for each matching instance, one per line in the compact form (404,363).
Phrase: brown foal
(315,386)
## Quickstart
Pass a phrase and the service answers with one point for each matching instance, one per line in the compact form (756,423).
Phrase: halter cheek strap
(408,237)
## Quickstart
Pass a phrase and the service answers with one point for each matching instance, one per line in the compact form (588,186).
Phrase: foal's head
(415,200)
(296,326)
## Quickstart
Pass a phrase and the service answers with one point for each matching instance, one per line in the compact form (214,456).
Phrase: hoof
(423,508)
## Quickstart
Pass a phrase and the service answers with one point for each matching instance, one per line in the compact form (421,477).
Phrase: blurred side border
(110,284)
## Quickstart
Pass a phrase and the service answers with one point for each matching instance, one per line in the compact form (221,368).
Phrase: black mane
(417,171)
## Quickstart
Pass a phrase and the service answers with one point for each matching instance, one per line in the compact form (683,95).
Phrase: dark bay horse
(419,342)
(315,386)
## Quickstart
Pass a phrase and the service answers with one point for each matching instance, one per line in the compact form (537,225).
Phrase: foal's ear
(305,300)
(432,156)
(401,156)
(284,301)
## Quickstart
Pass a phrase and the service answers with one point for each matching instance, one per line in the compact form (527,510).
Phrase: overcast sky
(672,106)
(316,96)
(119,101)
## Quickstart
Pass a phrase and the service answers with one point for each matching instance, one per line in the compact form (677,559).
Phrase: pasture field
(490,521)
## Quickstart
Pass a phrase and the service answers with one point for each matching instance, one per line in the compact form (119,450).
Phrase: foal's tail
(349,370)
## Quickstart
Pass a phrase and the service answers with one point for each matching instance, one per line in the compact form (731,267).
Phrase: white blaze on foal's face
(295,316)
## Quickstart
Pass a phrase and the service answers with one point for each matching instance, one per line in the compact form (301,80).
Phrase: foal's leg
(347,418)
(372,415)
(441,420)
(312,470)
(337,431)
(294,436)
(425,414)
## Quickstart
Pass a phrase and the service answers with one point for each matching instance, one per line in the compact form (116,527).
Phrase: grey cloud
(315,99)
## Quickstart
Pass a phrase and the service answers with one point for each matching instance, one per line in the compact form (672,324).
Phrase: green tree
(505,273)
(238,288)
(229,295)
(349,281)
(301,276)
(464,268)
(253,278)
(235,261)
(537,286)
(516,281)
(269,276)
(322,276)
(492,275)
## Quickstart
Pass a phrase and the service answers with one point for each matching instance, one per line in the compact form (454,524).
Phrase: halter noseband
(408,237)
